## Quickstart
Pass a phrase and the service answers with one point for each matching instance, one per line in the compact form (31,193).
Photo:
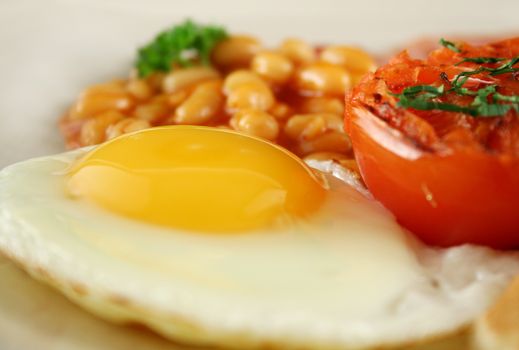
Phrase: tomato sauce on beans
(291,95)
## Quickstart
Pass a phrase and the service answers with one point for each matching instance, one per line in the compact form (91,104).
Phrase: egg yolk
(197,178)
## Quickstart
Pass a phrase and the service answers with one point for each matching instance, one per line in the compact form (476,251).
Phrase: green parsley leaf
(414,90)
(185,44)
(506,68)
(450,45)
(427,105)
(481,60)
(464,76)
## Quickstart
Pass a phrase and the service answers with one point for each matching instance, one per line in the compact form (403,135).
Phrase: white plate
(52,49)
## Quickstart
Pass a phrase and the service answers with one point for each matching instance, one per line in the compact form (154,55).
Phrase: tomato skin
(466,195)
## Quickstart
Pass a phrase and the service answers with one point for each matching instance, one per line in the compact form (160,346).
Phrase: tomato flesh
(448,177)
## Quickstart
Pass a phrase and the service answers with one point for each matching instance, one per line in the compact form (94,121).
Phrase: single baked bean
(139,89)
(255,122)
(153,112)
(185,77)
(236,51)
(298,51)
(281,111)
(240,77)
(314,128)
(272,66)
(250,95)
(323,79)
(352,58)
(204,104)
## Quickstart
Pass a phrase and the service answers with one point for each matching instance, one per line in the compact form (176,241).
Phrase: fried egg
(214,238)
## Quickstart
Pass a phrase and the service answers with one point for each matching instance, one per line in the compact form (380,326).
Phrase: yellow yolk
(197,178)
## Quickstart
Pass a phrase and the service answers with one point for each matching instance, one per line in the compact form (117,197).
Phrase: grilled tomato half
(437,142)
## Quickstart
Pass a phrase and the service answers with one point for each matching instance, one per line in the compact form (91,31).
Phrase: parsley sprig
(184,45)
(450,45)
(487,102)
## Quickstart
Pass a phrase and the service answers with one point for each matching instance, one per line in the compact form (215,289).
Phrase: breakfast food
(437,139)
(292,94)
(193,218)
(333,271)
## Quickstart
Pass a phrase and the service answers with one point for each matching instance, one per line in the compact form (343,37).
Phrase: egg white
(349,277)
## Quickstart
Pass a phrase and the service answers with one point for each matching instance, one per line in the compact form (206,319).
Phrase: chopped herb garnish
(485,109)
(450,45)
(485,101)
(184,45)
(505,68)
(481,60)
(429,89)
(421,97)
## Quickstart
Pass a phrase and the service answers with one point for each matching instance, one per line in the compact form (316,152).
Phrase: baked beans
(203,105)
(291,95)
